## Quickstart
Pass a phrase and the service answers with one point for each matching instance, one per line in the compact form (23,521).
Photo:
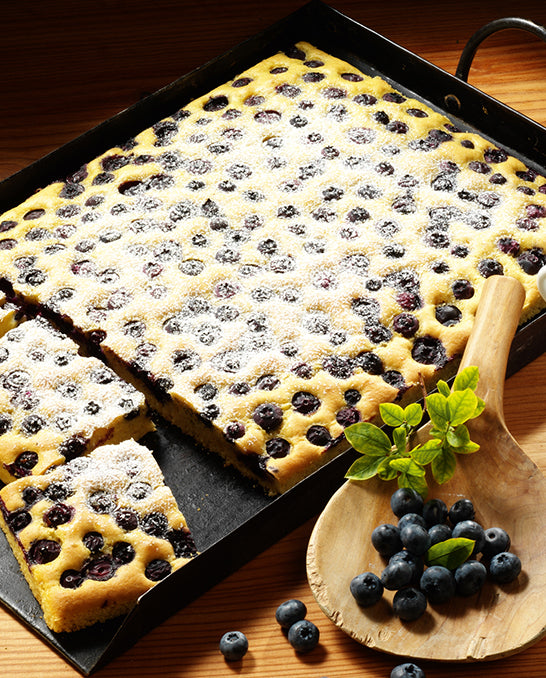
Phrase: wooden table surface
(64,67)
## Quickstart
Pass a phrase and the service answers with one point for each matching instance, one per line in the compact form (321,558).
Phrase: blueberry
(407,671)
(386,539)
(367,589)
(504,568)
(415,562)
(439,533)
(463,509)
(303,636)
(409,604)
(448,315)
(497,540)
(469,577)
(101,568)
(405,324)
(489,267)
(233,645)
(43,551)
(290,612)
(411,519)
(429,351)
(416,539)
(438,584)
(123,553)
(126,518)
(268,416)
(405,501)
(71,579)
(305,403)
(18,520)
(434,512)
(462,289)
(470,529)
(93,541)
(58,514)
(396,575)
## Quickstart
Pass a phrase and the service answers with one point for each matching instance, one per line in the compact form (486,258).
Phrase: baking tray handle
(467,55)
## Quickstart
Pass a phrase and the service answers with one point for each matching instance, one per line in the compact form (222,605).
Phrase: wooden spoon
(508,491)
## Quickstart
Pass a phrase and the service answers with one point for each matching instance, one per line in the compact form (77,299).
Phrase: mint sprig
(449,409)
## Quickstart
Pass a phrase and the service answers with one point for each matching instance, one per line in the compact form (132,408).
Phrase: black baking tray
(231,519)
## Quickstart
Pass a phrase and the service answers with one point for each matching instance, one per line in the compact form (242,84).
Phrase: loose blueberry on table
(233,645)
(303,636)
(407,670)
(290,612)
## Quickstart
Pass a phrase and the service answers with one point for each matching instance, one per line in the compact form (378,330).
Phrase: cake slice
(56,404)
(93,535)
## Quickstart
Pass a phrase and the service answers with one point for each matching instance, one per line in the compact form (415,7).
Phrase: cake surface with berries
(281,255)
(94,534)
(56,404)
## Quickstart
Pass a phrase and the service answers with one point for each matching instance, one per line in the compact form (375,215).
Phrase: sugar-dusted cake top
(54,403)
(285,252)
(95,533)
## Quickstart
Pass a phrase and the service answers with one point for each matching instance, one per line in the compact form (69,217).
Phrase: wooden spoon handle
(489,344)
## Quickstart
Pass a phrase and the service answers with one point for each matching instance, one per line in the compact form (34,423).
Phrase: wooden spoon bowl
(508,491)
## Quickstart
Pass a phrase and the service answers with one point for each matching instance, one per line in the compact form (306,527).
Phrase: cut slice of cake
(56,404)
(93,535)
(281,255)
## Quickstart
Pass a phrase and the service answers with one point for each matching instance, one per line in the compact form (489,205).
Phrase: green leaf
(413,414)
(407,465)
(480,407)
(400,439)
(368,439)
(468,449)
(450,553)
(385,471)
(443,388)
(417,483)
(416,469)
(467,378)
(461,406)
(400,464)
(458,437)
(443,466)
(427,452)
(438,410)
(364,468)
(392,414)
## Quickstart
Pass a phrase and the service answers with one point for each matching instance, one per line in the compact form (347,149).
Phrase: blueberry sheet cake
(94,534)
(56,404)
(280,256)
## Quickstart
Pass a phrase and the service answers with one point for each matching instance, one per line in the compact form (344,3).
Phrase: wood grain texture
(507,489)
(66,66)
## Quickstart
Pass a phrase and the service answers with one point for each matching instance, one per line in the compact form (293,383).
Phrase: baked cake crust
(56,404)
(280,256)
(94,534)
